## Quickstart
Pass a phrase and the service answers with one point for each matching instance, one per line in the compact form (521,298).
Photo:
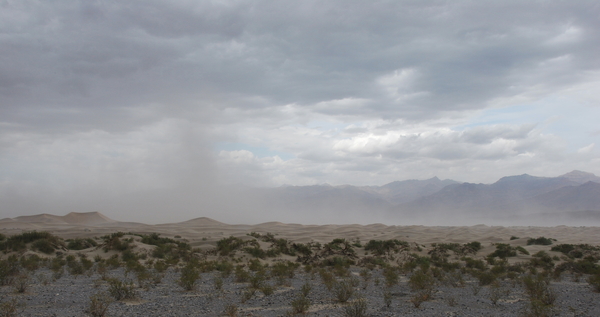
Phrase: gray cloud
(107,92)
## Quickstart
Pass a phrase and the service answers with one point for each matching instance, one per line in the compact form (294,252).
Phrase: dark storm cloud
(112,55)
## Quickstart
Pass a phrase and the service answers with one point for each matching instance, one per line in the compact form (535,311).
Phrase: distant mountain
(399,192)
(511,197)
(482,198)
(581,177)
(571,198)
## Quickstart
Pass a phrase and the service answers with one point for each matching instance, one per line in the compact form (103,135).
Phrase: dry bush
(231,310)
(300,305)
(99,304)
(358,308)
(10,308)
(343,290)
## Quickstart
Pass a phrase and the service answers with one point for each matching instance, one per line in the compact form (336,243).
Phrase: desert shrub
(421,282)
(247,294)
(21,282)
(474,264)
(41,240)
(57,263)
(10,308)
(231,310)
(522,250)
(358,308)
(419,298)
(43,245)
(80,244)
(343,290)
(267,289)
(327,278)
(594,281)
(160,266)
(543,260)
(218,283)
(305,289)
(485,277)
(31,262)
(75,267)
(539,241)
(538,289)
(386,247)
(99,304)
(128,255)
(9,268)
(514,238)
(255,265)
(224,267)
(189,276)
(241,275)
(257,281)
(113,242)
(387,298)
(583,266)
(371,262)
(121,290)
(300,305)
(227,246)
(454,279)
(497,292)
(391,276)
(503,250)
(256,252)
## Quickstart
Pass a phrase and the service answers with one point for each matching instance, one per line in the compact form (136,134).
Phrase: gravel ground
(70,296)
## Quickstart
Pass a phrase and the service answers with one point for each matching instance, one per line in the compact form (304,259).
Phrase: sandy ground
(204,232)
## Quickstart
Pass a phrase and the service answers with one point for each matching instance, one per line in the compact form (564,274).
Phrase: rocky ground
(70,296)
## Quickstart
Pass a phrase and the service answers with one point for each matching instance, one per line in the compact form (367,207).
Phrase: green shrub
(189,276)
(241,275)
(227,246)
(305,289)
(386,247)
(300,305)
(504,250)
(421,281)
(594,281)
(80,244)
(121,290)
(391,276)
(522,250)
(539,241)
(485,278)
(474,264)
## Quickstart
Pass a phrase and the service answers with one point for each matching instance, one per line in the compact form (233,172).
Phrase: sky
(107,105)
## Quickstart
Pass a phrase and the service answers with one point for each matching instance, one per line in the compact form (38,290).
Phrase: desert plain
(279,269)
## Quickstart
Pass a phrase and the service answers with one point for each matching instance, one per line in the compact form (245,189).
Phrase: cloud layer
(112,97)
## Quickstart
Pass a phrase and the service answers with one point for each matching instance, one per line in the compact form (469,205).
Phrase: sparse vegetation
(99,304)
(340,268)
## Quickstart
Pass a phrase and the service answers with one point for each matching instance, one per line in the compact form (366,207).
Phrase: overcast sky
(100,99)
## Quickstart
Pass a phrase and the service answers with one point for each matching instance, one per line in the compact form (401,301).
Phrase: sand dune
(206,231)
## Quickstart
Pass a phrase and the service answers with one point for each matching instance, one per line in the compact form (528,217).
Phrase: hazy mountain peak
(581,177)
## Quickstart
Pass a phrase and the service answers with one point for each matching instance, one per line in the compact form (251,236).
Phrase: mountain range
(571,199)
